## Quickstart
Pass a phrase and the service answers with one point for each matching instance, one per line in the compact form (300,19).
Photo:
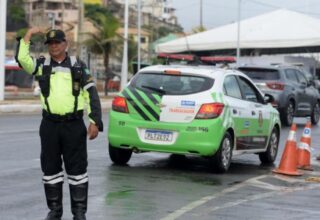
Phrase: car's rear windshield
(171,84)
(261,74)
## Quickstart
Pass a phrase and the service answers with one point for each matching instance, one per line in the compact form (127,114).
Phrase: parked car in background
(204,111)
(293,90)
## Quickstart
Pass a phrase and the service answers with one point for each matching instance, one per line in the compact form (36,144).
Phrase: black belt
(61,118)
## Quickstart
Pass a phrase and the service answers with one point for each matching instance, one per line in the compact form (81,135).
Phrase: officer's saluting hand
(66,85)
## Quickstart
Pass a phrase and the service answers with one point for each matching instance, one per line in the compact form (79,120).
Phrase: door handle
(234,111)
(253,113)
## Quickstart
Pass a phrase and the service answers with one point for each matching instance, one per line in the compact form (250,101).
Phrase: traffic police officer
(66,86)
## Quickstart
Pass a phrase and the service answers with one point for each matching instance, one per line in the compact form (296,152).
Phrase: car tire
(315,114)
(221,160)
(119,156)
(270,155)
(287,114)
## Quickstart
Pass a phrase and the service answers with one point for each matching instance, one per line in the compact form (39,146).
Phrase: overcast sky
(220,12)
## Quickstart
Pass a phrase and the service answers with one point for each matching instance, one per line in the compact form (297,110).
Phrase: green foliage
(163,31)
(21,32)
(16,16)
(198,29)
(92,9)
(16,10)
(104,40)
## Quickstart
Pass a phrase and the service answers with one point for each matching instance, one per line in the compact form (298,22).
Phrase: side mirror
(268,98)
(316,83)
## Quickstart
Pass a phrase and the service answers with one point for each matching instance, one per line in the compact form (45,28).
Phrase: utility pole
(238,34)
(3,21)
(124,70)
(80,25)
(201,14)
(62,15)
(139,35)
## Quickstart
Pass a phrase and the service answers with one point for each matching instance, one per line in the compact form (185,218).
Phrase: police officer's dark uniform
(65,88)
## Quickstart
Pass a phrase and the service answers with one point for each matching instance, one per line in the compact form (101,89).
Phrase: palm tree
(104,40)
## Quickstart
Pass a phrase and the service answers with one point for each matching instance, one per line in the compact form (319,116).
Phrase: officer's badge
(76,86)
(52,34)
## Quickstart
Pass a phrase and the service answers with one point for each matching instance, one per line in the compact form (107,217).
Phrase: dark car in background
(294,92)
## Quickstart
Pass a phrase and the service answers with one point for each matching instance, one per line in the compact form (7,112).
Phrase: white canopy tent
(277,29)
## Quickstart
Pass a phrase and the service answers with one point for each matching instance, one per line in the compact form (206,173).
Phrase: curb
(37,108)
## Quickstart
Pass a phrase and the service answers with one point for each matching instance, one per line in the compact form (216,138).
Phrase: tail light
(119,104)
(210,110)
(275,85)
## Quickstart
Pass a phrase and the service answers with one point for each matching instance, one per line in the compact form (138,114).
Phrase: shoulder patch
(86,70)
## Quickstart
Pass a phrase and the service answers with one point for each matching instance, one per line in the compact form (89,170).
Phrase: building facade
(161,9)
(60,13)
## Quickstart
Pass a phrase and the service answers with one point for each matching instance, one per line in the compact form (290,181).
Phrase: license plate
(154,135)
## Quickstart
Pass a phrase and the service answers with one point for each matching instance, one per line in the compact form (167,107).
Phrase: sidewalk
(29,104)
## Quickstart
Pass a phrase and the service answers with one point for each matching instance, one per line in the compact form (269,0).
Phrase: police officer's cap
(55,35)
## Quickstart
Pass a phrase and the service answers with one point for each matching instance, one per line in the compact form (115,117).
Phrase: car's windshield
(261,74)
(171,84)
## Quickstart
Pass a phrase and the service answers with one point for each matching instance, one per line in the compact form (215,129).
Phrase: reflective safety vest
(44,79)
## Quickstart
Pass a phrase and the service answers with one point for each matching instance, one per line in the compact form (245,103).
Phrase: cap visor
(58,40)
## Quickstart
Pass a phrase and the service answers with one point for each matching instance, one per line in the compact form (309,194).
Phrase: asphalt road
(154,186)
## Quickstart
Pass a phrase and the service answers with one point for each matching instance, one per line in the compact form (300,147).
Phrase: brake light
(275,85)
(172,72)
(210,110)
(119,104)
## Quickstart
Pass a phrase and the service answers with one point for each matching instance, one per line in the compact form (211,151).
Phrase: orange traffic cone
(289,159)
(304,148)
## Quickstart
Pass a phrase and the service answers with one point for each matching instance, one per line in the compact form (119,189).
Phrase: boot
(54,200)
(79,200)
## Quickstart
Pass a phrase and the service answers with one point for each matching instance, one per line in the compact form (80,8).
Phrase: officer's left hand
(93,131)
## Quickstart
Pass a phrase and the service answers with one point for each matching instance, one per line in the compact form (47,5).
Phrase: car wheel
(270,155)
(287,114)
(221,160)
(315,115)
(118,155)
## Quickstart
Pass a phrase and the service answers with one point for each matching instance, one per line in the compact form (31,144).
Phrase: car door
(259,116)
(239,110)
(307,93)
(297,89)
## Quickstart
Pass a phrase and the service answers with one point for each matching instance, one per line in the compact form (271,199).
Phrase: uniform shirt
(61,100)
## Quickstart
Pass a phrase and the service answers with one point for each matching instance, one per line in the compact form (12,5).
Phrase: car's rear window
(261,74)
(171,84)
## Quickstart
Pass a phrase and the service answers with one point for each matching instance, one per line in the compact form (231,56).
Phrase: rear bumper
(201,137)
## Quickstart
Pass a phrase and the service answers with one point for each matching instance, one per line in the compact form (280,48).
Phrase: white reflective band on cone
(292,136)
(304,146)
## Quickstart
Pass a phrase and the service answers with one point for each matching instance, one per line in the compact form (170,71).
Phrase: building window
(143,40)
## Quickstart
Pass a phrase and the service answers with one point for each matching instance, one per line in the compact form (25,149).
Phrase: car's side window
(248,91)
(302,79)
(291,75)
(231,87)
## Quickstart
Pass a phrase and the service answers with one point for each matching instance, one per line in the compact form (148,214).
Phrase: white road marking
(204,200)
(19,131)
(255,181)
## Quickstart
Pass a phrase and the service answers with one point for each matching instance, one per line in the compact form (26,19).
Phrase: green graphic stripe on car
(152,98)
(144,103)
(149,102)
(140,105)
(135,106)
(157,97)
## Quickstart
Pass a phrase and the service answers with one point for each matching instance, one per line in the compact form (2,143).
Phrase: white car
(195,110)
